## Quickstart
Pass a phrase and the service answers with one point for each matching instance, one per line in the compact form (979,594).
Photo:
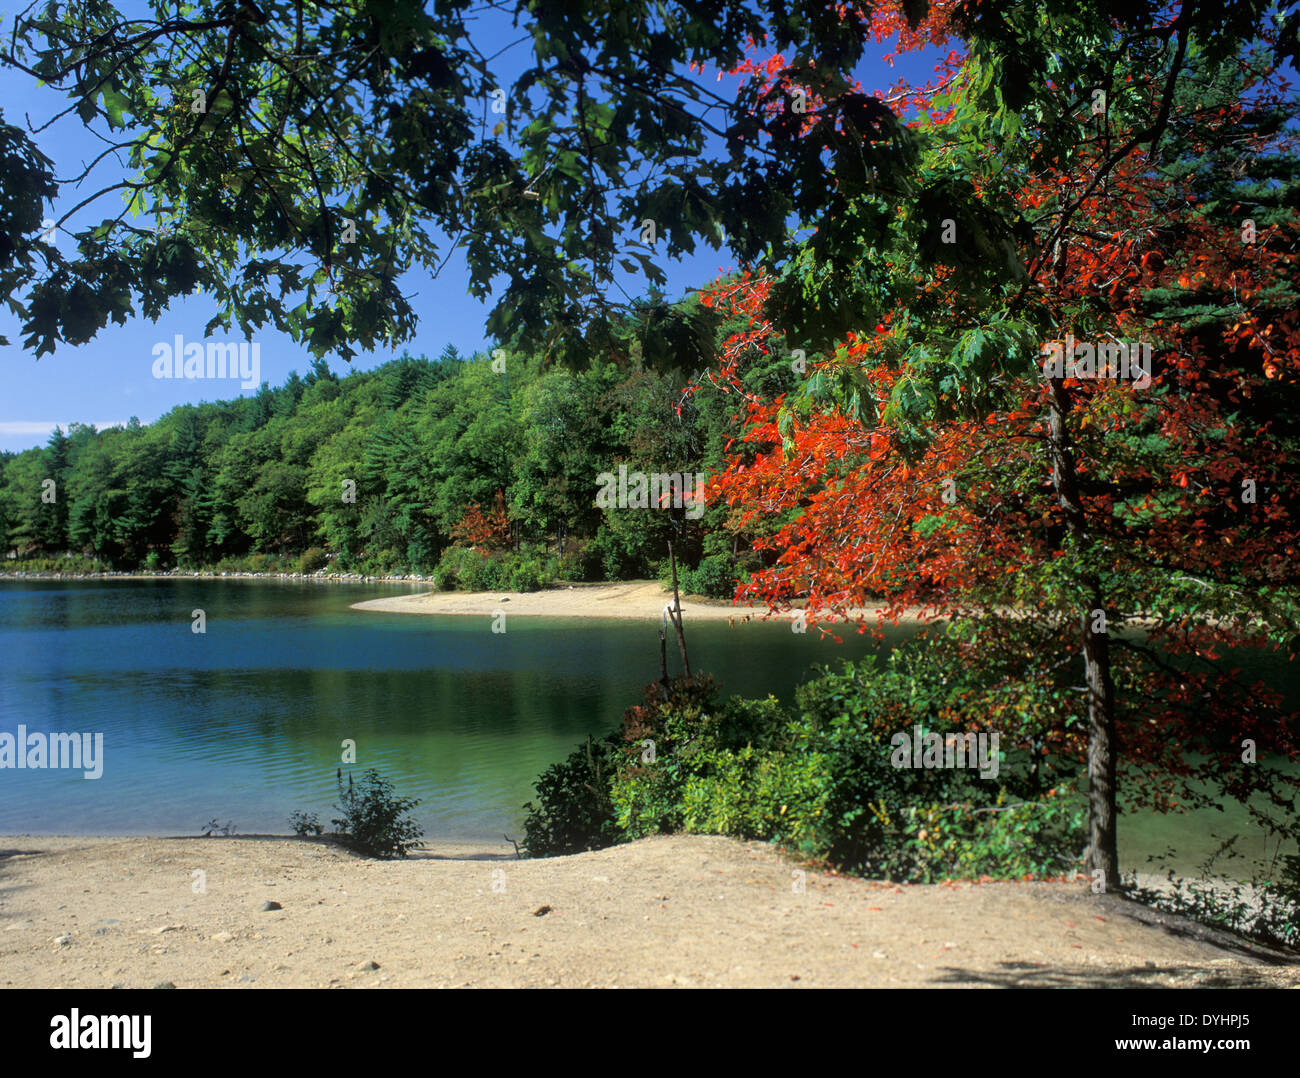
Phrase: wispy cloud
(18,428)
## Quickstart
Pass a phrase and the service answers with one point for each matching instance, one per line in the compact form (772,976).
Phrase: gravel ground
(681,910)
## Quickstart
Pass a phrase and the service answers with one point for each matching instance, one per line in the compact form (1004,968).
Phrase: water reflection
(245,721)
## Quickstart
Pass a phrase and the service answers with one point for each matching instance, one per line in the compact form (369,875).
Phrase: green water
(245,722)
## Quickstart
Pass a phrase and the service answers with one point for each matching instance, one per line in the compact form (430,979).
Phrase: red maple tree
(1073,501)
(482,530)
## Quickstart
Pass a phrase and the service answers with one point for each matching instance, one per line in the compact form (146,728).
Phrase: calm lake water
(244,722)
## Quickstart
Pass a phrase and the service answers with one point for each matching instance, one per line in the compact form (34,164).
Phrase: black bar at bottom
(332,1028)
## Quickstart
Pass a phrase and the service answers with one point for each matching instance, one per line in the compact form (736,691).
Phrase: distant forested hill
(420,465)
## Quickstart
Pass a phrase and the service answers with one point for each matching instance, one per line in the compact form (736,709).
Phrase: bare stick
(677,614)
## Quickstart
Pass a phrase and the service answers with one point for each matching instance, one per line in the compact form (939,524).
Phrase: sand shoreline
(630,599)
(634,599)
(682,910)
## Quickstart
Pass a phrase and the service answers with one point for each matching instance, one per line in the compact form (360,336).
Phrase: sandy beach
(667,911)
(637,599)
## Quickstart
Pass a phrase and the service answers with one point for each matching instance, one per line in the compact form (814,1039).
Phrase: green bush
(447,572)
(621,548)
(580,562)
(305,823)
(469,570)
(312,559)
(818,778)
(928,824)
(380,562)
(528,574)
(374,819)
(481,573)
(685,729)
(715,577)
(765,795)
(572,812)
(67,563)
(730,768)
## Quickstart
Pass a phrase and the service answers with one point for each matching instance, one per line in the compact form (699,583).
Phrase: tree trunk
(1103,851)
(1103,831)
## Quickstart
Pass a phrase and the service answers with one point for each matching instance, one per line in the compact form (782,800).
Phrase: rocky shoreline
(322,576)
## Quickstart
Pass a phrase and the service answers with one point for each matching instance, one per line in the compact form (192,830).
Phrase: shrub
(763,795)
(68,563)
(573,812)
(305,823)
(715,577)
(579,562)
(726,768)
(474,570)
(312,559)
(480,572)
(819,778)
(528,574)
(646,795)
(470,570)
(620,548)
(447,571)
(921,824)
(380,562)
(374,819)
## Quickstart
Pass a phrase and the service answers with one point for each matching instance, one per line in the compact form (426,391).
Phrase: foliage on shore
(816,778)
(373,819)
(480,478)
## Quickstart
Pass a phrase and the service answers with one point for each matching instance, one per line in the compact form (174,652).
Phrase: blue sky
(110,379)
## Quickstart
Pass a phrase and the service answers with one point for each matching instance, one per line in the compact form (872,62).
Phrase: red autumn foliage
(483,531)
(1163,470)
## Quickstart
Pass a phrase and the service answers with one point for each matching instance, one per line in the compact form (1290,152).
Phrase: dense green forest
(481,473)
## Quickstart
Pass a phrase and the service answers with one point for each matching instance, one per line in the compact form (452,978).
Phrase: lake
(244,723)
